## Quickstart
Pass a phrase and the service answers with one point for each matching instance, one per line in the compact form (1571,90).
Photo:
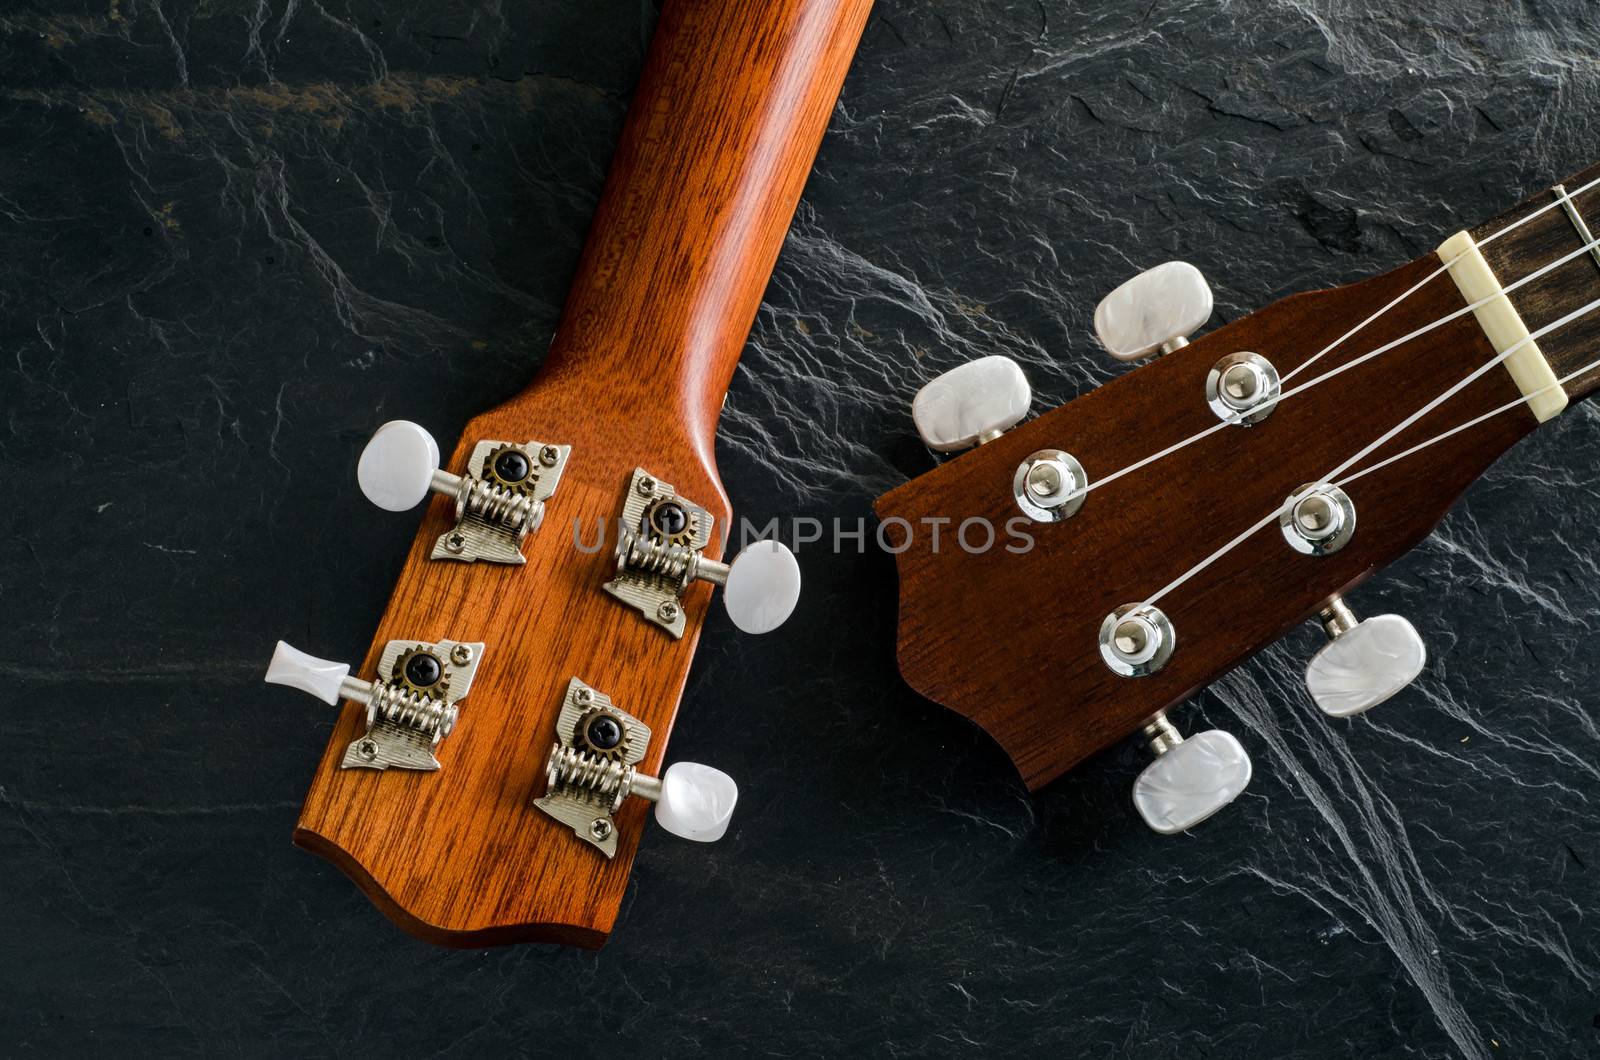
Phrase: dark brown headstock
(1012,640)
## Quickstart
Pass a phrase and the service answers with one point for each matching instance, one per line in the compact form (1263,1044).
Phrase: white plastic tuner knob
(762,587)
(971,404)
(1156,310)
(1191,780)
(1364,665)
(696,801)
(293,667)
(397,466)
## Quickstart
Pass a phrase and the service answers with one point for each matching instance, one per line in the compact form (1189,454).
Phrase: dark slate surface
(238,235)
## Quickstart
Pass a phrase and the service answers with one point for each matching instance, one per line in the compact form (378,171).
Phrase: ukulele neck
(701,190)
(1549,234)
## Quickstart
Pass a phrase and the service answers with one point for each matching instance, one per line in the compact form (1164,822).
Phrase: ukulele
(1165,526)
(488,777)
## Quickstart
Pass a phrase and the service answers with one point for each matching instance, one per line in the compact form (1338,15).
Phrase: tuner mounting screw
(646,485)
(455,542)
(461,655)
(367,750)
(600,828)
(668,611)
(422,669)
(511,467)
(585,696)
(603,733)
(549,455)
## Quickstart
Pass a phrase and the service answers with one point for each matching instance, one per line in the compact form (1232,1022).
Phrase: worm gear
(422,671)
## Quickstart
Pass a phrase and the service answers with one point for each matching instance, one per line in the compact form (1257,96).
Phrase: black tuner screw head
(669,519)
(604,732)
(423,670)
(512,466)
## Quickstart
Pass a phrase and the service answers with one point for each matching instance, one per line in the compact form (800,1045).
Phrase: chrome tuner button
(1243,388)
(1318,519)
(1049,486)
(1136,640)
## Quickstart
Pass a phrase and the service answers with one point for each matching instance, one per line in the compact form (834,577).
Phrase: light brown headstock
(460,855)
(721,134)
(1011,639)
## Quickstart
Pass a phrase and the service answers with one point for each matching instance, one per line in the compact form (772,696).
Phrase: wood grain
(1011,641)
(721,134)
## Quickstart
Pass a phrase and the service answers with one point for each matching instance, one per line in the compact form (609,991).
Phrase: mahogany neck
(1565,289)
(725,123)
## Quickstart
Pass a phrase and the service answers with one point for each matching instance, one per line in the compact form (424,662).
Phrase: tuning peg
(1157,310)
(971,404)
(760,588)
(660,559)
(498,503)
(1190,779)
(328,681)
(410,708)
(692,801)
(593,768)
(1364,662)
(400,465)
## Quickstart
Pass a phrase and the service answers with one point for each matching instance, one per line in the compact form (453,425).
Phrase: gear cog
(421,670)
(603,734)
(668,520)
(511,467)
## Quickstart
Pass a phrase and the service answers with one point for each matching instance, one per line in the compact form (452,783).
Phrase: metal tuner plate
(591,766)
(412,704)
(659,541)
(501,499)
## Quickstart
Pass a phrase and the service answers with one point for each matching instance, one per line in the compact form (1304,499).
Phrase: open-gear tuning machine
(659,544)
(499,501)
(593,768)
(411,706)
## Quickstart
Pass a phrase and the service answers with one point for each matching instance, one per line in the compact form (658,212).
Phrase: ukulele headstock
(1155,532)
(489,776)
(527,828)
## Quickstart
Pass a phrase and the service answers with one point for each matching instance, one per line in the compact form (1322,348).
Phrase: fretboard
(1565,289)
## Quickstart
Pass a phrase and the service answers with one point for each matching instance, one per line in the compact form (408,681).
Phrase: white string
(1564,197)
(1386,461)
(1357,361)
(1472,377)
(1380,441)
(1209,431)
(1491,414)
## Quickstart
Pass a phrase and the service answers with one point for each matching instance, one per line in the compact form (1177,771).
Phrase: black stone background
(236,236)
